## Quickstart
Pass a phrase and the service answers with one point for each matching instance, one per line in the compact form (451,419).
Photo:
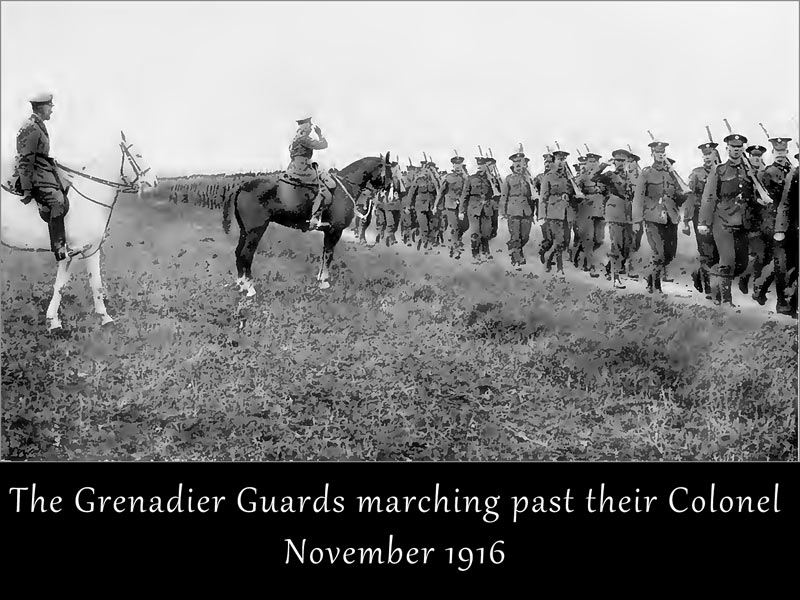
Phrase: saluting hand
(318,130)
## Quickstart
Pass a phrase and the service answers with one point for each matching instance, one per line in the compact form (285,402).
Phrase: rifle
(578,193)
(492,182)
(763,197)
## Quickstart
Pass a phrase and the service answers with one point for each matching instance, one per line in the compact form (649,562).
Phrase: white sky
(212,87)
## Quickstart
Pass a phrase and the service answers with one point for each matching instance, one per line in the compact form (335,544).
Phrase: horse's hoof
(324,285)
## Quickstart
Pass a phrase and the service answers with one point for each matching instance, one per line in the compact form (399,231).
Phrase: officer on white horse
(35,174)
(300,151)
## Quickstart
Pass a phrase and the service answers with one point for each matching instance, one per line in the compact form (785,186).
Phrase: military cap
(735,139)
(547,156)
(708,147)
(520,153)
(634,157)
(621,154)
(457,160)
(592,155)
(581,159)
(658,146)
(490,160)
(779,143)
(304,121)
(755,150)
(560,153)
(40,99)
(480,160)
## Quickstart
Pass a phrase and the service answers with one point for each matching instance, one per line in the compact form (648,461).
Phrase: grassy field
(407,357)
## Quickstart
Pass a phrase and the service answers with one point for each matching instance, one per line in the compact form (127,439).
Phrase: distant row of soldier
(743,213)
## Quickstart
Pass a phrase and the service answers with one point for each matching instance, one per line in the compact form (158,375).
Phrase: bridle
(342,180)
(125,186)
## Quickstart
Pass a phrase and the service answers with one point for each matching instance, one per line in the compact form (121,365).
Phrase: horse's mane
(355,166)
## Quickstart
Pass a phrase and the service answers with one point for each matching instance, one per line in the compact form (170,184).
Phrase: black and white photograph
(399,231)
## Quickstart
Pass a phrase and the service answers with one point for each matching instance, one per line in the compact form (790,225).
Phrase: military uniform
(478,195)
(547,238)
(706,249)
(656,201)
(408,221)
(364,205)
(392,205)
(451,189)
(786,222)
(422,196)
(516,205)
(762,245)
(495,198)
(36,175)
(727,208)
(558,197)
(617,214)
(591,213)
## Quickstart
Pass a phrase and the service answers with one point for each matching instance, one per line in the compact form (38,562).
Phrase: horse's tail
(226,209)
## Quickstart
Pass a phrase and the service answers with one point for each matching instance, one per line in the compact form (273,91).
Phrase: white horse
(91,201)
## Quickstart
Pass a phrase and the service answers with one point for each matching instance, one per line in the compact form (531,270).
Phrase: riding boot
(560,262)
(485,249)
(650,284)
(58,237)
(657,280)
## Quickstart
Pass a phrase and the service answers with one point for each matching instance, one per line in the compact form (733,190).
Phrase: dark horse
(268,199)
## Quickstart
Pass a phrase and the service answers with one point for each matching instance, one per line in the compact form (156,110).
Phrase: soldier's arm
(782,215)
(504,195)
(638,197)
(320,144)
(440,194)
(544,188)
(709,201)
(465,192)
(27,144)
(691,201)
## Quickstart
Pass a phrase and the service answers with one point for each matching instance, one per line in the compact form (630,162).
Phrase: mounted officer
(36,176)
(301,172)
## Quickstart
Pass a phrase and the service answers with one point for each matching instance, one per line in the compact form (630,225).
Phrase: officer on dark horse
(302,198)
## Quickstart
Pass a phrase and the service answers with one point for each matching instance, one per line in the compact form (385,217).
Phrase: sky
(208,87)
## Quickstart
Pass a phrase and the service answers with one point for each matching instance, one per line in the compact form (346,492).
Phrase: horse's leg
(96,285)
(62,278)
(332,236)
(245,251)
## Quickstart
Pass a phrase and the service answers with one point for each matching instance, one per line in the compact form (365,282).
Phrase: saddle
(44,211)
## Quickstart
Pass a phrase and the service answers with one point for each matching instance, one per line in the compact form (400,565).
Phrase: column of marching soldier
(743,213)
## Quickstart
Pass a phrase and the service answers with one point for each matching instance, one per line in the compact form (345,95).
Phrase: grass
(407,357)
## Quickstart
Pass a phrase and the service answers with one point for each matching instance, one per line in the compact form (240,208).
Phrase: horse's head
(134,170)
